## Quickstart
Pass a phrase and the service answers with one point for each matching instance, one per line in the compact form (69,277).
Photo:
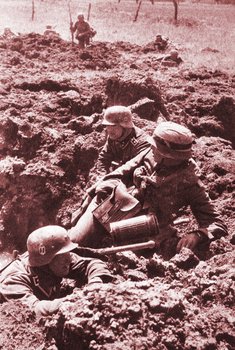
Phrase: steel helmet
(174,54)
(80,16)
(118,115)
(46,242)
(173,140)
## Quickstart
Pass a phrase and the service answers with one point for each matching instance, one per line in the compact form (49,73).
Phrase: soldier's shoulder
(140,133)
(191,171)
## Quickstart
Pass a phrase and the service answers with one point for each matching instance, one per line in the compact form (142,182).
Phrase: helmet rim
(118,115)
(46,242)
(172,140)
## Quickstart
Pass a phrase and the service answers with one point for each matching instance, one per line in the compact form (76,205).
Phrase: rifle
(89,11)
(15,256)
(71,23)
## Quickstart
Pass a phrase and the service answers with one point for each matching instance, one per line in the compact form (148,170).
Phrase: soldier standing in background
(83,31)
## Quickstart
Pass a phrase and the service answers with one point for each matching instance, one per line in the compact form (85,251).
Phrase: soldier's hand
(189,241)
(139,176)
(102,195)
(93,284)
(104,189)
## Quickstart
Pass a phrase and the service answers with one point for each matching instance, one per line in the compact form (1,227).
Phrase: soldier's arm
(104,160)
(89,270)
(73,27)
(128,168)
(209,221)
(18,286)
(42,307)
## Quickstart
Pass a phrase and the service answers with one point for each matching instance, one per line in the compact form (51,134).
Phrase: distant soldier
(7,34)
(50,31)
(161,42)
(83,31)
(171,60)
(35,277)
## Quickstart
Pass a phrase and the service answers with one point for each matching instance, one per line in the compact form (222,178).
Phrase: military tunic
(169,189)
(120,152)
(39,288)
(81,27)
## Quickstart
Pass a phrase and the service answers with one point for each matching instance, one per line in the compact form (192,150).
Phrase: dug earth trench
(52,96)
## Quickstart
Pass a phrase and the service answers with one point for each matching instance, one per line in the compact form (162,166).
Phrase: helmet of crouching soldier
(173,140)
(46,242)
(118,115)
(80,17)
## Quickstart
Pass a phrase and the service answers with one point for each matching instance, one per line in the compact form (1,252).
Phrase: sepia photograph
(117,174)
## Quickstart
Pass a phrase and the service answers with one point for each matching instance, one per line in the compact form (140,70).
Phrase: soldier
(171,60)
(168,180)
(124,142)
(83,31)
(35,276)
(50,32)
(161,42)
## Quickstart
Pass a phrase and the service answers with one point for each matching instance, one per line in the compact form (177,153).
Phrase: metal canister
(134,230)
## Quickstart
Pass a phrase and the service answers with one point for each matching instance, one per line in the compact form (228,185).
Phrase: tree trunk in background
(137,12)
(33,10)
(175,2)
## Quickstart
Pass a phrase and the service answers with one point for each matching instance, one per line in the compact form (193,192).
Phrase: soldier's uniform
(83,32)
(171,188)
(39,288)
(88,231)
(117,152)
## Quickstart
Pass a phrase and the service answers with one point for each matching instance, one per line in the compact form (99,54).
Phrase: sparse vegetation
(203,33)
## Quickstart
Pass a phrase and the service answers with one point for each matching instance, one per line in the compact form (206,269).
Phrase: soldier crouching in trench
(35,277)
(166,180)
(124,142)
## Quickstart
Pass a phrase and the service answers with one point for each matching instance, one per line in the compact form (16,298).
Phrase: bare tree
(137,11)
(175,3)
(33,10)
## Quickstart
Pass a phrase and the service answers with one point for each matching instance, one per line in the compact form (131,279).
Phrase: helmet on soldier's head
(174,54)
(80,16)
(173,140)
(118,115)
(46,242)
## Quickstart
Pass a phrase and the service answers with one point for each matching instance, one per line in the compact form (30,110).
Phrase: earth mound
(52,99)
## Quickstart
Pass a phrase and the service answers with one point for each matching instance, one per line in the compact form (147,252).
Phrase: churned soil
(51,100)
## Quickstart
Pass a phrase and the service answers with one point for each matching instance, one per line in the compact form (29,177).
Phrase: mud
(51,100)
